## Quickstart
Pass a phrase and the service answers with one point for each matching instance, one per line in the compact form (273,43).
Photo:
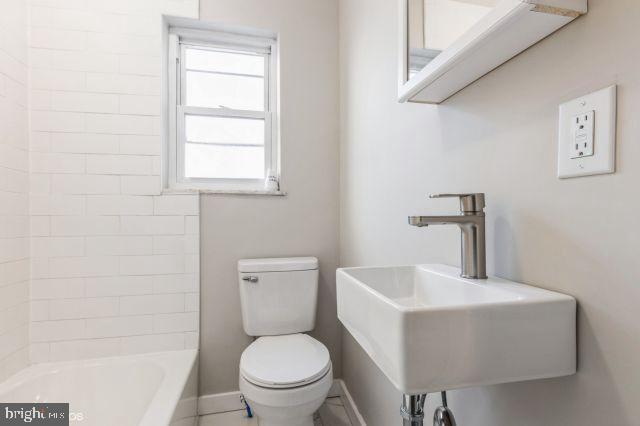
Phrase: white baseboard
(349,404)
(230,401)
(336,389)
(219,403)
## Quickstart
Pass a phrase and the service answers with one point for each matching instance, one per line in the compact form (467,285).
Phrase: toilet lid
(284,361)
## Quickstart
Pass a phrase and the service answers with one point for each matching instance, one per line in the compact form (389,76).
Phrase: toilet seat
(286,361)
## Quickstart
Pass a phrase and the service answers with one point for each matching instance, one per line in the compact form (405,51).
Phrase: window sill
(260,192)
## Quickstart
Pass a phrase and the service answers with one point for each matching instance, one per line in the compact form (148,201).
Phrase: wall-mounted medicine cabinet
(448,44)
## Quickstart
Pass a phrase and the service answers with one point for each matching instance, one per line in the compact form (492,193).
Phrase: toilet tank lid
(278,264)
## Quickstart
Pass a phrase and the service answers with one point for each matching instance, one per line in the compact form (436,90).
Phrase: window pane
(225,91)
(239,131)
(224,162)
(221,61)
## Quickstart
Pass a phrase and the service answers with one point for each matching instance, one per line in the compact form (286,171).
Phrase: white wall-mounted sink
(429,330)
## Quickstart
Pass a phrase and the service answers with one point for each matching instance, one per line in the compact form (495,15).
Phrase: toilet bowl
(285,379)
(285,375)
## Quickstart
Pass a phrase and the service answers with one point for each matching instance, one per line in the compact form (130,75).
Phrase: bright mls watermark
(37,414)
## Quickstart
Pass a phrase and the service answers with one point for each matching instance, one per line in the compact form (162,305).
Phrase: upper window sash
(267,77)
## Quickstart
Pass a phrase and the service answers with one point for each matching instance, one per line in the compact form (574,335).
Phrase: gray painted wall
(499,136)
(305,223)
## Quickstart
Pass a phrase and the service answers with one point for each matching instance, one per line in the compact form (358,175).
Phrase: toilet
(285,375)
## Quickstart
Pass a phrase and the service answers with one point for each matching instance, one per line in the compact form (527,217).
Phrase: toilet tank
(278,296)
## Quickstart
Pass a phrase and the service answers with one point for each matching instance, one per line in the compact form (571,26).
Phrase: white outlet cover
(603,105)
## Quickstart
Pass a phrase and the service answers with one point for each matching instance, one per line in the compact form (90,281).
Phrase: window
(223,96)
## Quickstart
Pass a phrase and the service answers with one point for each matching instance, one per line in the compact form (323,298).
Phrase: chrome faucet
(472,224)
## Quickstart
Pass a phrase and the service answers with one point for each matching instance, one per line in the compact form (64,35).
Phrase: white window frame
(178,39)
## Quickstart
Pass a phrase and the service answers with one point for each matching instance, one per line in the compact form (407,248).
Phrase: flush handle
(250,278)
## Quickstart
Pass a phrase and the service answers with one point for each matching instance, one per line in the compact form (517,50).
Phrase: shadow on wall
(563,396)
(505,249)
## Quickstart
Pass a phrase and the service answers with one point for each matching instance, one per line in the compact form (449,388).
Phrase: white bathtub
(156,389)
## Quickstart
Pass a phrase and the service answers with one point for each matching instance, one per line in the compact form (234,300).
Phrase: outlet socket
(582,141)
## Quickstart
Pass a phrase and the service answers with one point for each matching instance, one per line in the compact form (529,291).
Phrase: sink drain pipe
(412,411)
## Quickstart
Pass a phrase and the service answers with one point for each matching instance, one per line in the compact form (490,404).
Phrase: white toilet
(285,375)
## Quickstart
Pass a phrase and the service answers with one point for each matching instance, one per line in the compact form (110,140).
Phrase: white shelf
(510,28)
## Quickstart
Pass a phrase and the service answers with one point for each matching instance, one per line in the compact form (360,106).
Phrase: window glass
(224,61)
(211,90)
(224,162)
(224,148)
(223,130)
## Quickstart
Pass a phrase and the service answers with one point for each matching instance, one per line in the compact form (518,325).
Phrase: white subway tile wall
(114,263)
(14,190)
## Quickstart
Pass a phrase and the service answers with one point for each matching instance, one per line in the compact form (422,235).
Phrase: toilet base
(303,421)
(286,407)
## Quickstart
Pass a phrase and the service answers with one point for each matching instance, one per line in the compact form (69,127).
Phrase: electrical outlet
(582,141)
(587,135)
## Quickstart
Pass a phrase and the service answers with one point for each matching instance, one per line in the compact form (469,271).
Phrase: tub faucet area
(472,224)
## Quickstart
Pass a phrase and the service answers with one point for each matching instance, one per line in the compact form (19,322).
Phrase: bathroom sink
(429,330)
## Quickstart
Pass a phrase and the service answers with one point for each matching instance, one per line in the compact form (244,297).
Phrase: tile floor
(332,413)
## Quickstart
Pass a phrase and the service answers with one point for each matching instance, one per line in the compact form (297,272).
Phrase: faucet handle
(469,203)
